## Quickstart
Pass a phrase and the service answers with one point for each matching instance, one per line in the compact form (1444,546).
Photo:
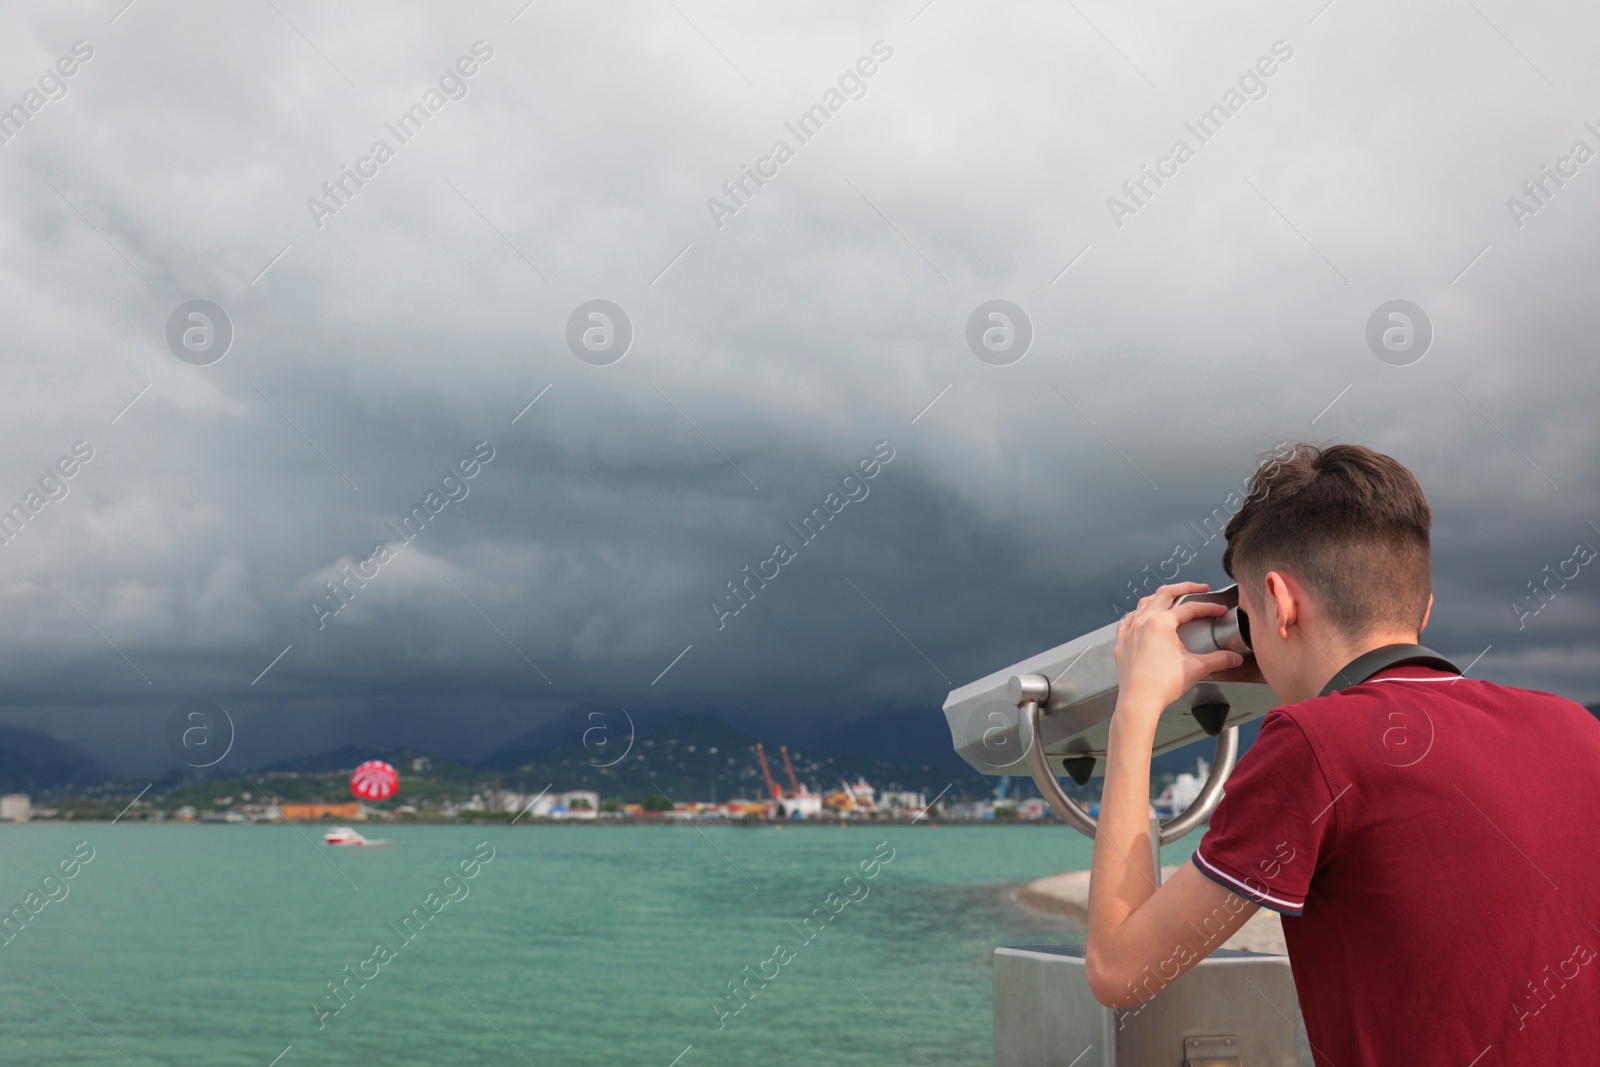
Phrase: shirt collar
(1367,664)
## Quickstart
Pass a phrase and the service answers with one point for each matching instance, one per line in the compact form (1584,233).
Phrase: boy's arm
(1141,937)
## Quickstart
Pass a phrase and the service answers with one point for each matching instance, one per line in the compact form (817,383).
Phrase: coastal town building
(309,812)
(903,802)
(576,804)
(15,807)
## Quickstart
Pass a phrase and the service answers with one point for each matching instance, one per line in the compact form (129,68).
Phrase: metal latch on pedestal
(1222,1051)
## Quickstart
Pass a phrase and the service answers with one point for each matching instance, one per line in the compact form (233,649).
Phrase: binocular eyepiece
(1050,714)
(1228,632)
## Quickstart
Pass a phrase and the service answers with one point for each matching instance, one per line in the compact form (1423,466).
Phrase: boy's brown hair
(1349,523)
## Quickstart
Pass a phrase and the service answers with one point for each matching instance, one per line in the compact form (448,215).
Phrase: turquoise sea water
(573,945)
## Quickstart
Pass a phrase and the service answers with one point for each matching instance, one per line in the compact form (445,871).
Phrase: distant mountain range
(700,757)
(31,762)
(340,759)
(688,757)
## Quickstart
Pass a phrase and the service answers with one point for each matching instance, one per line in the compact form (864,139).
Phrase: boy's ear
(1427,612)
(1282,594)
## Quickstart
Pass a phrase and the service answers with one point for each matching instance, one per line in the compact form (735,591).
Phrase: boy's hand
(1153,667)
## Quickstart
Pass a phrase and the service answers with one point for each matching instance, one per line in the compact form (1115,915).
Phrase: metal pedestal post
(1155,844)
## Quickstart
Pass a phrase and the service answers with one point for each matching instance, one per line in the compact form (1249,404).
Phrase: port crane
(794,783)
(772,787)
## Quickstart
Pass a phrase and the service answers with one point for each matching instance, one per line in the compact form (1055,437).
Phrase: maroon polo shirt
(1431,843)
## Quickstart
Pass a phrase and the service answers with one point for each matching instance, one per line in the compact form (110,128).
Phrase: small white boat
(345,835)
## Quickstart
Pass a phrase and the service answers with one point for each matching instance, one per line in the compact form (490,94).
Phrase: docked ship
(1181,792)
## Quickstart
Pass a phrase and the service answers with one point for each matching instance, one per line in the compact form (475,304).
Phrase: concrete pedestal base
(1234,1009)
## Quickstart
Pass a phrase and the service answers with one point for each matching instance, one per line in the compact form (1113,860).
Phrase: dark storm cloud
(372,353)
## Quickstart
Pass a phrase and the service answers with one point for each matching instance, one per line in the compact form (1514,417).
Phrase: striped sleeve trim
(1278,904)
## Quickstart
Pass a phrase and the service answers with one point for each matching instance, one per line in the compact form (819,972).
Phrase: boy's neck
(1331,660)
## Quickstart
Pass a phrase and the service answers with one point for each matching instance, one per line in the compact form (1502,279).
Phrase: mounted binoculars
(1050,715)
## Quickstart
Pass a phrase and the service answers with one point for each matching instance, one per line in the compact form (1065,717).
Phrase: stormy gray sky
(383,331)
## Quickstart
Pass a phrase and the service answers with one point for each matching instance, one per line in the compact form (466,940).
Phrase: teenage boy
(1428,839)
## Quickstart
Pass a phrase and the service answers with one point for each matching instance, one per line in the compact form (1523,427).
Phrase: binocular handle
(1034,691)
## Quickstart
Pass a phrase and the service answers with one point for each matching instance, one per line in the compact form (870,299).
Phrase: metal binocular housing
(1050,715)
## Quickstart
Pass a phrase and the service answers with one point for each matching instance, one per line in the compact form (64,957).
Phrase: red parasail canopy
(375,780)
